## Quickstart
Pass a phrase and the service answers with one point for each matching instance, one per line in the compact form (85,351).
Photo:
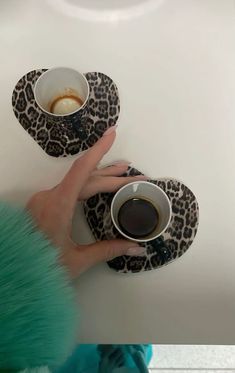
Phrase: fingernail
(110,130)
(122,164)
(135,251)
(142,177)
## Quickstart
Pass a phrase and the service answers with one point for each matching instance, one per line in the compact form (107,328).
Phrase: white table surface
(175,69)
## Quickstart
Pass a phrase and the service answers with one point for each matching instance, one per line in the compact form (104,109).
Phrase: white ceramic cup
(59,82)
(145,190)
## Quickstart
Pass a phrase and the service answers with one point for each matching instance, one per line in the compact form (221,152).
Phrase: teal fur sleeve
(37,302)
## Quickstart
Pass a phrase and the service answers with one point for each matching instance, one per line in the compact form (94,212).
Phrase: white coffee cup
(54,85)
(59,82)
(147,191)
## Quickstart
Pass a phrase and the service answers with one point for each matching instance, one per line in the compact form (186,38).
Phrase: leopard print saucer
(61,139)
(171,245)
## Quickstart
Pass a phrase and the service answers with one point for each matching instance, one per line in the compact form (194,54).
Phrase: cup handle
(80,130)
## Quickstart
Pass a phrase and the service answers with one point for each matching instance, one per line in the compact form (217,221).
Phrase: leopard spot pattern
(61,140)
(172,244)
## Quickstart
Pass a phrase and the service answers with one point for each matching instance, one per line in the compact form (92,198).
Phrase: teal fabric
(37,305)
(145,350)
(86,359)
(37,301)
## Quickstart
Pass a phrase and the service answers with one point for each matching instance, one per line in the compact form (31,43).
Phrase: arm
(37,306)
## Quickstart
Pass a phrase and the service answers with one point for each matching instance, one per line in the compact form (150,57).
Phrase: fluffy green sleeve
(37,301)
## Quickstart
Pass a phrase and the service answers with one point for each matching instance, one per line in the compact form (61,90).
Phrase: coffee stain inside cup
(65,103)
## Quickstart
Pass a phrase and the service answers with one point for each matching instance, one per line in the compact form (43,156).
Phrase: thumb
(107,250)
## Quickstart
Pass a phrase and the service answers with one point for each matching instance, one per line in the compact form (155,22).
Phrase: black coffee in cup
(138,217)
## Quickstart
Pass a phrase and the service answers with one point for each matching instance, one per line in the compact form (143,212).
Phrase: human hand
(53,209)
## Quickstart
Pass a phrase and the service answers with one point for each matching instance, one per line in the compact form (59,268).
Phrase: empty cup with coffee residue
(62,94)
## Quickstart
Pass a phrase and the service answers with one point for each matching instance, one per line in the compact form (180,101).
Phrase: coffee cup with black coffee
(141,211)
(62,94)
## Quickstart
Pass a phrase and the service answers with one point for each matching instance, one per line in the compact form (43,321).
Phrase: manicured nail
(121,164)
(142,177)
(135,251)
(110,130)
